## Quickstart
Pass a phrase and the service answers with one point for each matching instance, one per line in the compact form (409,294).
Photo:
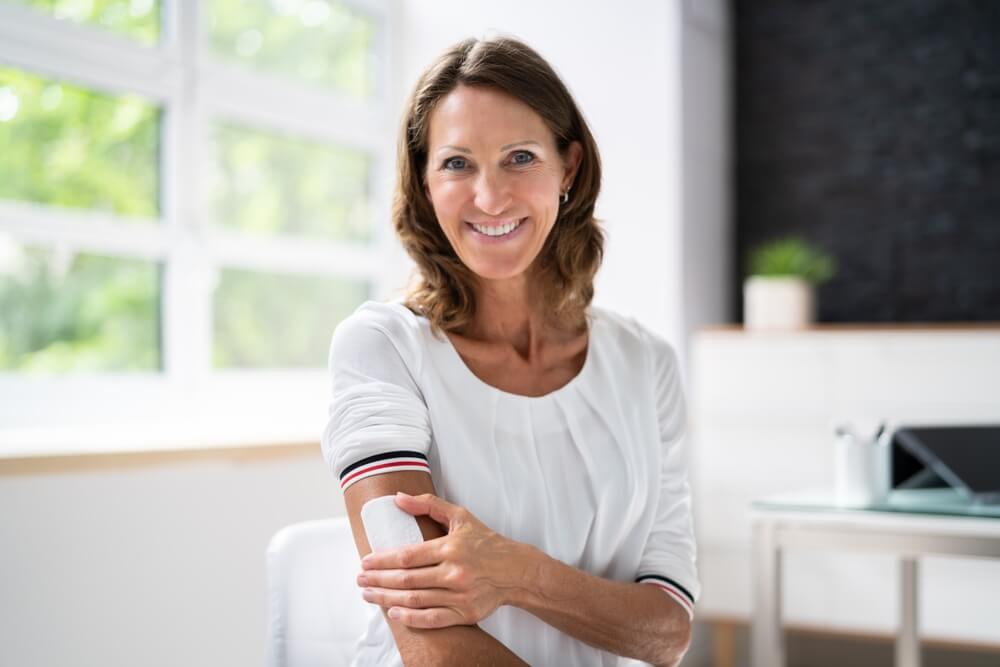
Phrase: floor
(806,650)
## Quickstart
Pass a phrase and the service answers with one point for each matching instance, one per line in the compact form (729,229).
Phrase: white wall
(707,229)
(122,564)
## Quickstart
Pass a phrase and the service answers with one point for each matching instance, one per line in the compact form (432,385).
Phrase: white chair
(315,610)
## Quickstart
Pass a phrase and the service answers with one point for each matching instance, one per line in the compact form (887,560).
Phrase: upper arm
(376,443)
(670,554)
(414,645)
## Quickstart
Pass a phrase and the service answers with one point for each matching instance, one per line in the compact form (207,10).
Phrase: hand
(457,579)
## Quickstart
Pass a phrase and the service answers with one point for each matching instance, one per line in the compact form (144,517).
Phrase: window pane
(64,312)
(284,321)
(273,184)
(68,146)
(321,42)
(139,19)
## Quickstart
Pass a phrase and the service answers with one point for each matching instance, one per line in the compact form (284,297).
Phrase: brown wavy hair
(565,267)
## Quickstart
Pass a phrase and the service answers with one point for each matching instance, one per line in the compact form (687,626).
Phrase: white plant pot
(771,303)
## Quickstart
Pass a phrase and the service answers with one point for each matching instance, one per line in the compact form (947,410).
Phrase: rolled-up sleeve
(670,555)
(377,419)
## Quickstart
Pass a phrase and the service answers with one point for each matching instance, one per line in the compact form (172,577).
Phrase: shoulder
(378,329)
(634,338)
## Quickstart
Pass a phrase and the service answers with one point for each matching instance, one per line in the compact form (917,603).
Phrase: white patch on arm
(387,526)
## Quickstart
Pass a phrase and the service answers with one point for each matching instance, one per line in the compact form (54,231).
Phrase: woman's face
(494,178)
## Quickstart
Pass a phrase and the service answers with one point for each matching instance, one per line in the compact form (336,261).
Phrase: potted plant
(779,292)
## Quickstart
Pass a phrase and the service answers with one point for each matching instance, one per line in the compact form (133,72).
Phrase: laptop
(966,458)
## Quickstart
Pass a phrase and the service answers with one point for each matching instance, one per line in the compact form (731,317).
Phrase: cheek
(543,199)
(541,191)
(447,204)
(447,199)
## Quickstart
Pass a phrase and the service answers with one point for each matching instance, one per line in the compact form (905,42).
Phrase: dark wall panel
(873,128)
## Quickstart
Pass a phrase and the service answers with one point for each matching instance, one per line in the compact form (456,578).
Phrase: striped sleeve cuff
(383,463)
(671,588)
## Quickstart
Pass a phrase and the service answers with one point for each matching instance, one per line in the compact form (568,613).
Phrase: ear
(571,163)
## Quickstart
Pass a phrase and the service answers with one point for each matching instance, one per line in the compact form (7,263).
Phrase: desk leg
(723,644)
(908,640)
(766,644)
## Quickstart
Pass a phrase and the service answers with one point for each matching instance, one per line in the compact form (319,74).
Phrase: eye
(522,157)
(454,164)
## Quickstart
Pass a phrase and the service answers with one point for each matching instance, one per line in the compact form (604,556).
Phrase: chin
(497,271)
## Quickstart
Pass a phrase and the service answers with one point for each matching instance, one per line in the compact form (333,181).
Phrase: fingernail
(362,580)
(394,613)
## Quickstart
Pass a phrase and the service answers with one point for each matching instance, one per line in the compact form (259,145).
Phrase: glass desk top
(949,502)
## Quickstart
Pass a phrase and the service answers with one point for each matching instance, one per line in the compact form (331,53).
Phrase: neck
(507,313)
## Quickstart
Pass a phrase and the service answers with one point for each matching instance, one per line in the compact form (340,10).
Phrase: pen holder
(861,472)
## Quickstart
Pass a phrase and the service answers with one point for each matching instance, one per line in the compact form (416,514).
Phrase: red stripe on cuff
(674,593)
(394,464)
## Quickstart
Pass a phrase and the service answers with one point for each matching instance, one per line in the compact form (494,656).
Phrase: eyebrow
(462,149)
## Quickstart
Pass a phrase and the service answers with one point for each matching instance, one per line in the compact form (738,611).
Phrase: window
(317,42)
(188,197)
(138,19)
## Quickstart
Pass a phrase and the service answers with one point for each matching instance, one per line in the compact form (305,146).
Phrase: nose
(492,195)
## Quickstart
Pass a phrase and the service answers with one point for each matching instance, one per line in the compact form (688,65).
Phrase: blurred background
(193,194)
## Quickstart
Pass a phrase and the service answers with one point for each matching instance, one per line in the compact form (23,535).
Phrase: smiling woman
(495,206)
(504,130)
(537,438)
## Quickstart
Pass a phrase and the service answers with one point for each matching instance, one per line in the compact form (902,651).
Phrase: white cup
(861,472)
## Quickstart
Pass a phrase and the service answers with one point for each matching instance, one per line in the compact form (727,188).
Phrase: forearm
(627,619)
(458,644)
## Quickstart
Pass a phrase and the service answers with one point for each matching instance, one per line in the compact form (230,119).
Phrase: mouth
(497,232)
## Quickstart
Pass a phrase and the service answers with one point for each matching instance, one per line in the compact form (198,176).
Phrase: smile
(497,230)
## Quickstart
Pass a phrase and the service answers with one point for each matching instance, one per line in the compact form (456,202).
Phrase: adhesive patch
(387,526)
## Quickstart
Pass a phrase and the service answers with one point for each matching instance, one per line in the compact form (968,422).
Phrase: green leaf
(792,257)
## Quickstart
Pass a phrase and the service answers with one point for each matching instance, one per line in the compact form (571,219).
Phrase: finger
(423,577)
(427,503)
(413,555)
(423,598)
(437,617)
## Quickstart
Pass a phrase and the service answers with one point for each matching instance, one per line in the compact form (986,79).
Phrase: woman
(536,437)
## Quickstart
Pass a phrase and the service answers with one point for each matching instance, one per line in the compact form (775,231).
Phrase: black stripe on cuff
(381,457)
(667,580)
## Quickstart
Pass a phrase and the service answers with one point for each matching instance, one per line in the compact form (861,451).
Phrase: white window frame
(188,404)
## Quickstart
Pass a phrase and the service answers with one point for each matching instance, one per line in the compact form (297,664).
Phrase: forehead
(480,117)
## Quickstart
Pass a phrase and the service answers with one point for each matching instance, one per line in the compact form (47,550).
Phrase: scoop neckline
(588,362)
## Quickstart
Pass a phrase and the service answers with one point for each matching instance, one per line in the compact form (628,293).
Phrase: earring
(565,196)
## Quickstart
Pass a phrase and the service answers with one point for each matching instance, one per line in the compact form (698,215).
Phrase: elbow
(675,647)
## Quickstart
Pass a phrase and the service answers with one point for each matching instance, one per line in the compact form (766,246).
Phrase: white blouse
(592,473)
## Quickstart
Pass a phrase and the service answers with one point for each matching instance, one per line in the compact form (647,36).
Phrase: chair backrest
(315,610)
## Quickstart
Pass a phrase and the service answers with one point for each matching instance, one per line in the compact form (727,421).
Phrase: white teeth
(499,230)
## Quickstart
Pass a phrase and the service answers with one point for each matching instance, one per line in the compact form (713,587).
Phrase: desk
(910,524)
